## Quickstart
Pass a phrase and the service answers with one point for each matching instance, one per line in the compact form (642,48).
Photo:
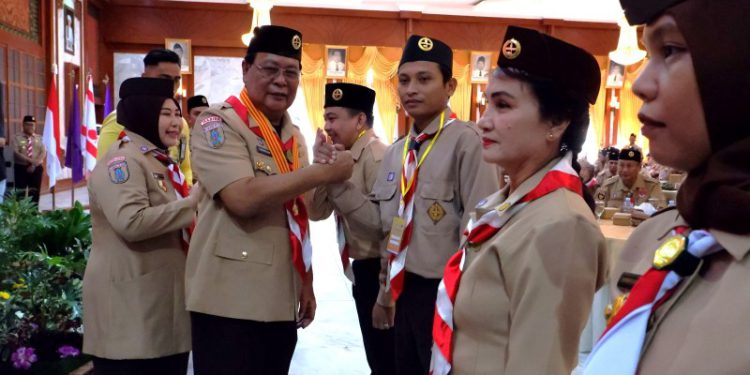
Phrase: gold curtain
(356,71)
(598,110)
(460,102)
(313,83)
(385,66)
(630,104)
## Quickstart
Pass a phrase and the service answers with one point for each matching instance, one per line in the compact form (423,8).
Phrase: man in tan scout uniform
(29,153)
(630,183)
(443,179)
(249,281)
(348,122)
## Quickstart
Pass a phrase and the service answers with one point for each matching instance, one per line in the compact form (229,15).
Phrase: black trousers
(415,310)
(171,365)
(379,344)
(24,180)
(226,346)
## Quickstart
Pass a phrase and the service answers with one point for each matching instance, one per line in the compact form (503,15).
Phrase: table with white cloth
(615,236)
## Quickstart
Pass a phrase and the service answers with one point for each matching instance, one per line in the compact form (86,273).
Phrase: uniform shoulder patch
(118,170)
(610,180)
(213,130)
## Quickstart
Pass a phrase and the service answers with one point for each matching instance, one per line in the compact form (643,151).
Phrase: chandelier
(627,52)
(261,17)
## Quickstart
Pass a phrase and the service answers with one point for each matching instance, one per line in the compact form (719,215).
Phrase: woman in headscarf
(517,295)
(687,312)
(133,289)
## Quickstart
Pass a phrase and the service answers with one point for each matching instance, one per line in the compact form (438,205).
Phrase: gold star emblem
(511,49)
(337,94)
(296,42)
(425,44)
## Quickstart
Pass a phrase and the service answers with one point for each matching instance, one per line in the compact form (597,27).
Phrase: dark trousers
(225,346)
(379,343)
(415,310)
(171,365)
(24,180)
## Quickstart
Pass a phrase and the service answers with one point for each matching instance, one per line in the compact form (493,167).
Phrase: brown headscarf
(717,193)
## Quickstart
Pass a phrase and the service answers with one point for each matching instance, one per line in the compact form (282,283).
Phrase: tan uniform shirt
(603,176)
(239,268)
(613,192)
(525,294)
(367,153)
(452,179)
(133,288)
(701,328)
(21,141)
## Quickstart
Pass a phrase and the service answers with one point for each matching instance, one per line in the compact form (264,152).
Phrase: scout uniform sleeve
(656,192)
(360,211)
(476,178)
(43,153)
(125,202)
(219,156)
(551,289)
(371,160)
(108,135)
(319,207)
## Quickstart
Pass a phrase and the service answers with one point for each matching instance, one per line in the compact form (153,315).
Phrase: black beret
(141,86)
(197,101)
(545,57)
(614,153)
(349,95)
(604,151)
(422,48)
(278,40)
(631,154)
(29,118)
(644,11)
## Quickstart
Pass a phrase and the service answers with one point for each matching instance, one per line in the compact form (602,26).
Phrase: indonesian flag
(51,136)
(89,136)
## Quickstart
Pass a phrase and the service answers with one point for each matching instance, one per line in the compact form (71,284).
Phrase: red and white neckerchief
(618,351)
(296,212)
(343,248)
(180,185)
(30,146)
(561,176)
(408,184)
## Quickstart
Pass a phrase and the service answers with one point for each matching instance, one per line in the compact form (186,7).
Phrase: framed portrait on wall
(335,61)
(69,34)
(480,66)
(615,75)
(183,48)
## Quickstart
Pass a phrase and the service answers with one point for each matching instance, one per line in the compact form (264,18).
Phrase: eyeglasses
(271,72)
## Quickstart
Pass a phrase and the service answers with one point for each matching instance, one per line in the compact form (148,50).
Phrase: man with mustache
(248,276)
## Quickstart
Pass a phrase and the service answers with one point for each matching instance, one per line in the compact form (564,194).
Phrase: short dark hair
(446,72)
(482,59)
(353,112)
(159,55)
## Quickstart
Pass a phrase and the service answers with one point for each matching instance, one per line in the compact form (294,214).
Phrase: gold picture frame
(184,49)
(336,61)
(481,65)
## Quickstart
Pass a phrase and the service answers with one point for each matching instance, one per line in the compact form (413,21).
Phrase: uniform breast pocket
(264,165)
(383,192)
(437,206)
(243,249)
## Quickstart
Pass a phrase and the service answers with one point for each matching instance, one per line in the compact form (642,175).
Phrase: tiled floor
(332,344)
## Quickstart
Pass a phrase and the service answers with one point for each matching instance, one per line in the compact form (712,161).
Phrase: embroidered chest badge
(118,170)
(391,176)
(161,181)
(436,212)
(213,129)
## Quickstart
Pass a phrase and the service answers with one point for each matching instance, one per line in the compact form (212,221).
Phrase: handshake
(335,162)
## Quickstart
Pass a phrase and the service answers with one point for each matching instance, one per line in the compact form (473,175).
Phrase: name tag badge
(397,232)
(263,150)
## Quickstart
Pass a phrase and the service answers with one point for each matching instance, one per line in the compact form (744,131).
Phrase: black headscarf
(717,193)
(141,100)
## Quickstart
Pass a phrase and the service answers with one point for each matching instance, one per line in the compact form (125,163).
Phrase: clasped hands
(336,162)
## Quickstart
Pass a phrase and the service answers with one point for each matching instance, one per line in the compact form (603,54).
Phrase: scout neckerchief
(400,238)
(296,213)
(341,237)
(561,176)
(618,351)
(180,185)
(30,146)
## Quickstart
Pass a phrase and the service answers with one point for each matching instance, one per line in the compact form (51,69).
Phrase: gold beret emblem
(511,49)
(425,44)
(296,42)
(631,154)
(337,94)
